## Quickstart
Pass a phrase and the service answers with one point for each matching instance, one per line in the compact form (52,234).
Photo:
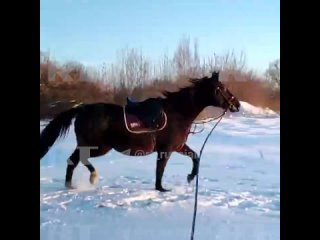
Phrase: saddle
(144,116)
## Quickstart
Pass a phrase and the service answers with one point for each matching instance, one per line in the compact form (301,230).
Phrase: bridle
(229,100)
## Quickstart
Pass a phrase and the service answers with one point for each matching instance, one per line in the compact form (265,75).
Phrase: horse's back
(95,119)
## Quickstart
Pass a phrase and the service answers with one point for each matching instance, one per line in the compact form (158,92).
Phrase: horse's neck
(186,104)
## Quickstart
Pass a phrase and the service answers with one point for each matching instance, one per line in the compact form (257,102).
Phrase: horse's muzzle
(234,108)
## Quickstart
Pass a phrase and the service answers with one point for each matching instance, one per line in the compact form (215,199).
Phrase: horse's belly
(135,150)
(140,147)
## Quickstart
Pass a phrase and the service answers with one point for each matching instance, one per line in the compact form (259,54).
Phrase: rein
(230,103)
(197,177)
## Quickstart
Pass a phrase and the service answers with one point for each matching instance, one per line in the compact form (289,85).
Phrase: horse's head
(216,94)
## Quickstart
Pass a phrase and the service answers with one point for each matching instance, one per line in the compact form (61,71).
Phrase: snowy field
(239,189)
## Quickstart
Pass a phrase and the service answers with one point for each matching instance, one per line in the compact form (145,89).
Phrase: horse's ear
(215,76)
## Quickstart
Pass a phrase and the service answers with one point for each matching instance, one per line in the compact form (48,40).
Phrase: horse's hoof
(94,177)
(68,185)
(161,189)
(190,177)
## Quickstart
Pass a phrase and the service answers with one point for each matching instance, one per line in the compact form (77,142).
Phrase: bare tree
(273,73)
(186,60)
(166,69)
(131,70)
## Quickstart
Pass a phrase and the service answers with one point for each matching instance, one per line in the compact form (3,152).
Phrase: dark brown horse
(101,127)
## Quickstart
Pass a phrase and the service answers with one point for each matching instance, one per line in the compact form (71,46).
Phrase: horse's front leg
(162,159)
(187,151)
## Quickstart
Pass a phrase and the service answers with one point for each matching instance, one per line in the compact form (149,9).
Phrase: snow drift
(249,110)
(246,110)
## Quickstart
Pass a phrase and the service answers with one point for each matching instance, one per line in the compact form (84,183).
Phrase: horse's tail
(57,127)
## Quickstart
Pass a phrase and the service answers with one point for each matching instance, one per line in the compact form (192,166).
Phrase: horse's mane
(171,90)
(191,83)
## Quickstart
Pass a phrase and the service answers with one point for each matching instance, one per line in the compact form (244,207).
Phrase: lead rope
(197,181)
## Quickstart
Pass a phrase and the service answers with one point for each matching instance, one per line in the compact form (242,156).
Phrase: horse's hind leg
(95,152)
(82,153)
(92,152)
(73,162)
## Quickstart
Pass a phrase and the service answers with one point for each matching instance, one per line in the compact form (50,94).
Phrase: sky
(94,31)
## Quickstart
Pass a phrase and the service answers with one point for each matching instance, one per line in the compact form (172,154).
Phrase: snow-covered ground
(239,188)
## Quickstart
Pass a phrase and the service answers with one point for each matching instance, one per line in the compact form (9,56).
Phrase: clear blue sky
(92,31)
